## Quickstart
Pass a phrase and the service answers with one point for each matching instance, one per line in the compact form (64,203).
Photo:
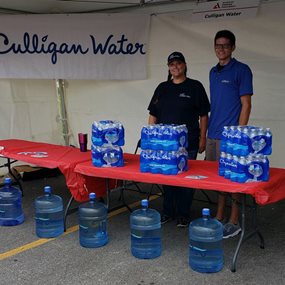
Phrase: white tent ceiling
(94,6)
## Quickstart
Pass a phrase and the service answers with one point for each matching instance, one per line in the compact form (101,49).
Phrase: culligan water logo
(37,44)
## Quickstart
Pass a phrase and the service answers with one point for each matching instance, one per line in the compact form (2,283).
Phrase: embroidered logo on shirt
(225,81)
(183,95)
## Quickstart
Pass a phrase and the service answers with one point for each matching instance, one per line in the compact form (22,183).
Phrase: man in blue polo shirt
(230,93)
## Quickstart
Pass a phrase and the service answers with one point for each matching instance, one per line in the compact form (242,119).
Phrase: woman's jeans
(178,200)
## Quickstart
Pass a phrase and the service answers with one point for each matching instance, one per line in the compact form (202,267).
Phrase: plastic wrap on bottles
(107,156)
(164,137)
(244,140)
(164,162)
(244,151)
(108,132)
(257,168)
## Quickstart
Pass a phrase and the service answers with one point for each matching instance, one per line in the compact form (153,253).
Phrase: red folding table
(65,158)
(201,175)
(82,177)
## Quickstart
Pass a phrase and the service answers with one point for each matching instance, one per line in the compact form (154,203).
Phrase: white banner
(218,10)
(86,46)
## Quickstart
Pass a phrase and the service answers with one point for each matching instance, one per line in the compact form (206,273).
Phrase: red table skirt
(82,177)
(263,192)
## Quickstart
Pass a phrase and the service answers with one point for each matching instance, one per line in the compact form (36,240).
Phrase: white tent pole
(60,94)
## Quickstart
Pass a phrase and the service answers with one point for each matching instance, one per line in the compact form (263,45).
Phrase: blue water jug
(206,252)
(49,215)
(145,232)
(11,212)
(93,223)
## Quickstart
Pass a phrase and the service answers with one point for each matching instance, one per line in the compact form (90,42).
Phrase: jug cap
(8,180)
(144,203)
(47,189)
(206,212)
(92,196)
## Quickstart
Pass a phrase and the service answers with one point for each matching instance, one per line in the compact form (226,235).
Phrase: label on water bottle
(164,162)
(164,137)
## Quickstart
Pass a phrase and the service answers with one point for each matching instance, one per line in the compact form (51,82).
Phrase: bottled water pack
(164,162)
(107,155)
(244,151)
(108,132)
(243,140)
(254,167)
(164,137)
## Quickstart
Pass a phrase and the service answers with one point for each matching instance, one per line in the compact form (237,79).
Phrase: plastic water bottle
(234,170)
(224,139)
(244,147)
(231,139)
(145,232)
(222,166)
(11,213)
(228,164)
(49,215)
(205,250)
(93,223)
(268,137)
(241,170)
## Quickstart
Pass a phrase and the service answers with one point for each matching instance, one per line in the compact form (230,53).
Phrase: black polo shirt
(181,103)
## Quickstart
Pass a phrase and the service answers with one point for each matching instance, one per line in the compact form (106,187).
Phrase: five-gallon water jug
(49,214)
(11,213)
(145,232)
(93,223)
(205,252)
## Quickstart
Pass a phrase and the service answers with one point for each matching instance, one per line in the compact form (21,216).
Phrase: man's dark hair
(226,34)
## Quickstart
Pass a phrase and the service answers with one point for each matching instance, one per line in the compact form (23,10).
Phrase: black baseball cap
(176,56)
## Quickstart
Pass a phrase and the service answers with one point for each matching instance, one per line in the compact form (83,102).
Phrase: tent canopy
(94,6)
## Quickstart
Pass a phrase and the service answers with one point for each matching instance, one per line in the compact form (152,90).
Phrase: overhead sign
(219,10)
(89,46)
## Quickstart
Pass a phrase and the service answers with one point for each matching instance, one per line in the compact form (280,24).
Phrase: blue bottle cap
(47,189)
(8,180)
(92,196)
(144,203)
(206,212)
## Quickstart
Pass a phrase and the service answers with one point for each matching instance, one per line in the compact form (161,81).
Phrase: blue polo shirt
(226,87)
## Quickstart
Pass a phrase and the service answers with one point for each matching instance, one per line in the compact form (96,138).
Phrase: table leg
(108,198)
(69,211)
(8,165)
(242,237)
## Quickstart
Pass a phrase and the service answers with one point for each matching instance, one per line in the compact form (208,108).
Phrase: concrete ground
(26,259)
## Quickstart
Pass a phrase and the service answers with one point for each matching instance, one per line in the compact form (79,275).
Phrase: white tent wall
(29,111)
